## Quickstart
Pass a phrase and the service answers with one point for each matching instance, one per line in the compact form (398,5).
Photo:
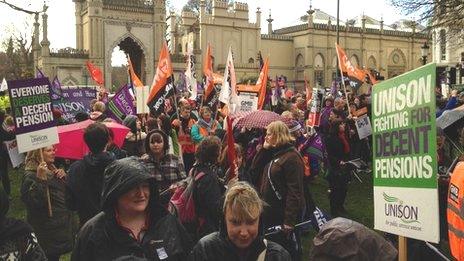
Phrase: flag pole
(47,189)
(343,81)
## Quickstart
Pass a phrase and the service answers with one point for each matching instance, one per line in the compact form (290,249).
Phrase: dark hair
(208,150)
(151,124)
(334,126)
(131,122)
(81,116)
(96,136)
(149,137)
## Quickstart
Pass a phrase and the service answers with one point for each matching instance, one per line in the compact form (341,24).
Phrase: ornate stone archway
(396,63)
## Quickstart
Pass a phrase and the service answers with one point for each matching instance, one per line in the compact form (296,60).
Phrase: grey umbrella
(449,117)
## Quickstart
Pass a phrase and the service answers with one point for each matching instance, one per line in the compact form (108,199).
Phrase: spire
(45,43)
(310,13)
(269,23)
(258,17)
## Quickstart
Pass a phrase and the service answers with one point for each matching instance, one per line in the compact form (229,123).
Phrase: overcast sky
(61,20)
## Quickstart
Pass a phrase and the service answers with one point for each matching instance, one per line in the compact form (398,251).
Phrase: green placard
(404,132)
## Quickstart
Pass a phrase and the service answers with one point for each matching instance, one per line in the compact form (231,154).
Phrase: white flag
(228,94)
(190,75)
(4,86)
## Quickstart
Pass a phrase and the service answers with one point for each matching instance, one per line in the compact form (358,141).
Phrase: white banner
(141,96)
(15,157)
(247,101)
(37,139)
(363,125)
(407,212)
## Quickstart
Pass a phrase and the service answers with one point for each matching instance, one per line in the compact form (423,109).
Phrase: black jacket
(102,238)
(84,184)
(217,246)
(207,195)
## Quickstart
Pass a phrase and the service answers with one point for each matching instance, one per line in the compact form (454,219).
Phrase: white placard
(37,139)
(247,101)
(141,96)
(15,157)
(363,125)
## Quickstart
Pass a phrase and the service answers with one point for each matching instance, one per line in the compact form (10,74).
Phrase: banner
(3,86)
(190,75)
(163,85)
(355,75)
(134,78)
(121,104)
(316,107)
(95,73)
(15,157)
(73,101)
(247,101)
(141,95)
(31,106)
(405,155)
(228,94)
(363,125)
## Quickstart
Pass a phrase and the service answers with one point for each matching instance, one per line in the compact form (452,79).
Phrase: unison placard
(405,157)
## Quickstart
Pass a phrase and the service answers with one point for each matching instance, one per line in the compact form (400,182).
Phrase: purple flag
(315,146)
(56,88)
(39,74)
(121,104)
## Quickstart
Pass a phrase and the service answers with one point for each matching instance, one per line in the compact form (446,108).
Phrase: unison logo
(394,207)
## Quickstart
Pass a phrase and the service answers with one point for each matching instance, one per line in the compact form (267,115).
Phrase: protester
(81,116)
(17,240)
(166,126)
(98,111)
(206,125)
(208,190)
(6,134)
(166,168)
(85,179)
(133,224)
(134,140)
(54,232)
(113,148)
(241,235)
(183,127)
(338,151)
(58,116)
(239,164)
(282,183)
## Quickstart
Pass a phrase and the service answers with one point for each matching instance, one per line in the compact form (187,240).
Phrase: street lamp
(424,52)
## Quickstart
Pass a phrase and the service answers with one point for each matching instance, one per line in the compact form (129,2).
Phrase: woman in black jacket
(338,152)
(208,190)
(241,235)
(133,224)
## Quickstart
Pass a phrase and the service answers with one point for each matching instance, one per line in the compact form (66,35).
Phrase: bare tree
(194,6)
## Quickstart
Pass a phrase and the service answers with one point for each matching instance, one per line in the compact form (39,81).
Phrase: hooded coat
(102,238)
(56,233)
(84,184)
(217,246)
(17,240)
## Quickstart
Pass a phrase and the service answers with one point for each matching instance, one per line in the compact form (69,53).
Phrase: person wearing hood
(135,139)
(166,168)
(55,233)
(17,240)
(98,112)
(85,179)
(132,222)
(241,236)
(280,169)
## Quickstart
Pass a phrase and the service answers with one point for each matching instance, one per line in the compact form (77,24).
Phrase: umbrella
(449,117)
(257,119)
(72,145)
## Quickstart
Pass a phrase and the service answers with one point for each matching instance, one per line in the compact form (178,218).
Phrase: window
(251,60)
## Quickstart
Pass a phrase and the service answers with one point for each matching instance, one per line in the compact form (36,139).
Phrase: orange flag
(355,75)
(262,84)
(162,86)
(135,79)
(95,73)
(208,73)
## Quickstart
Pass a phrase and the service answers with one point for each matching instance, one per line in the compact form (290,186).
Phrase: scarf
(203,124)
(346,145)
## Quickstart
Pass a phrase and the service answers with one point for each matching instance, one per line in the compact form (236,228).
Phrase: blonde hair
(99,106)
(243,201)
(281,133)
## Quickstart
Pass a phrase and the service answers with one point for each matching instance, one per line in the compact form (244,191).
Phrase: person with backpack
(241,235)
(133,225)
(208,190)
(281,185)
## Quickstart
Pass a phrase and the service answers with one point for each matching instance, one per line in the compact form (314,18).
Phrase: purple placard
(31,104)
(121,104)
(73,101)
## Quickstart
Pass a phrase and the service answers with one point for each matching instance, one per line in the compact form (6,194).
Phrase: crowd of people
(115,203)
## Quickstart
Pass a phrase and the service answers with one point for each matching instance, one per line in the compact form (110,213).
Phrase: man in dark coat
(17,240)
(113,232)
(85,178)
